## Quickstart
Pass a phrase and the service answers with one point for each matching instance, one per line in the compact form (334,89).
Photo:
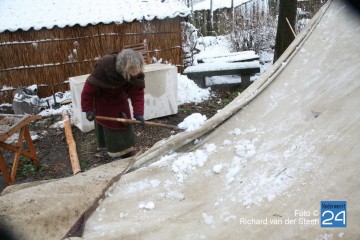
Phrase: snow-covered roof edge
(37,14)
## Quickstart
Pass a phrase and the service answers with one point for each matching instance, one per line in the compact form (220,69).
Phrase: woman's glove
(90,116)
(141,119)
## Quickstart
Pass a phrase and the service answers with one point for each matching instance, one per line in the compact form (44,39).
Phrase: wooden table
(11,124)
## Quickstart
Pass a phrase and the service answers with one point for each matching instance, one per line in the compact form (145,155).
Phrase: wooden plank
(24,121)
(31,153)
(20,122)
(71,143)
(18,148)
(17,155)
(15,148)
(142,48)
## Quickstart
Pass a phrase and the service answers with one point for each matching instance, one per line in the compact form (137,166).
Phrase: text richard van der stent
(301,217)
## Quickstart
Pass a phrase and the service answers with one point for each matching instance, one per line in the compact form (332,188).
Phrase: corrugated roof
(24,15)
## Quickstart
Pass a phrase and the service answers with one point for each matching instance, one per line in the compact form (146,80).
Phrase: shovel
(124,120)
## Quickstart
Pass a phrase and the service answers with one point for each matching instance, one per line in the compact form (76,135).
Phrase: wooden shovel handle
(124,120)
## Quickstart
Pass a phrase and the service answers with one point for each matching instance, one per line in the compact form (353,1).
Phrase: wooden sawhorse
(21,124)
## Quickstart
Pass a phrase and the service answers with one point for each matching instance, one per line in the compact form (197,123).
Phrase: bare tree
(286,24)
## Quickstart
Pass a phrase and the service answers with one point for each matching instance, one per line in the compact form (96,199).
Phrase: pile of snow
(189,92)
(192,122)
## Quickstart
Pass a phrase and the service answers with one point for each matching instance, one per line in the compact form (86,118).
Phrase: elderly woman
(115,78)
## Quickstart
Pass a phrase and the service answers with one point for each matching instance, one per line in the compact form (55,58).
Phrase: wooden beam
(17,154)
(71,143)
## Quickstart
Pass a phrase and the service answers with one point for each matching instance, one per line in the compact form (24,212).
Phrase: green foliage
(184,109)
(84,164)
(226,101)
(230,97)
(232,94)
(26,167)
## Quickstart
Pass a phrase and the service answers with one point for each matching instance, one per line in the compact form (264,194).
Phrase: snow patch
(147,206)
(188,162)
(245,148)
(226,142)
(189,92)
(238,132)
(230,175)
(210,147)
(142,185)
(174,195)
(208,219)
(192,122)
(217,168)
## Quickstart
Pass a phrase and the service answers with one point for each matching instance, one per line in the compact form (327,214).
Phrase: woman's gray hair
(129,61)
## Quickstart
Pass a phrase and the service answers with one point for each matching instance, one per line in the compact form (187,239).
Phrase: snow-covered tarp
(258,169)
(18,14)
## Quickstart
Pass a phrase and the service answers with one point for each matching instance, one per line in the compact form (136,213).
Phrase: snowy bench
(199,72)
(244,56)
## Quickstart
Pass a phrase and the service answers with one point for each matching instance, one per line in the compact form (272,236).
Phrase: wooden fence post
(71,143)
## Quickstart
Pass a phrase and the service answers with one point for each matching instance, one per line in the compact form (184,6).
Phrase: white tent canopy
(257,170)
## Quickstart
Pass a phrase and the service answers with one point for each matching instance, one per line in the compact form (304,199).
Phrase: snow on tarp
(19,14)
(258,169)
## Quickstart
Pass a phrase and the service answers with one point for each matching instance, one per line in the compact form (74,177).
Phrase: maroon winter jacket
(106,93)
